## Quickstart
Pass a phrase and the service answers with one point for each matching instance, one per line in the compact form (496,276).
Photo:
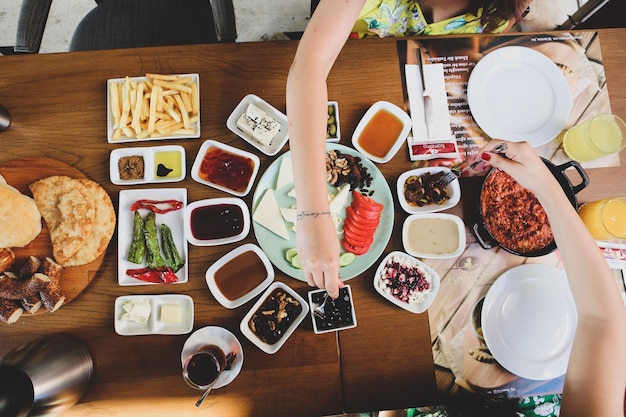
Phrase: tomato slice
(357,250)
(360,229)
(351,229)
(362,216)
(356,239)
(366,202)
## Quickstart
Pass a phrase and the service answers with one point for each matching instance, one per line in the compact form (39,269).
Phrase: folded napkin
(440,142)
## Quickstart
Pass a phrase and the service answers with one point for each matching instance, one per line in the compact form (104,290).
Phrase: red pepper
(163,275)
(152,205)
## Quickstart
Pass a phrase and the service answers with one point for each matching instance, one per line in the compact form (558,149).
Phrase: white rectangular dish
(194,126)
(173,219)
(170,157)
(158,322)
(295,322)
(281,138)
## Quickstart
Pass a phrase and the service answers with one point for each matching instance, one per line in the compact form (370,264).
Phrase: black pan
(486,239)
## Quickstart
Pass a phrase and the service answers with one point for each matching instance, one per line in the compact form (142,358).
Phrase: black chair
(116,24)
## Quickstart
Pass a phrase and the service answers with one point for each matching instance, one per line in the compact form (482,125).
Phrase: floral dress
(404,18)
(535,406)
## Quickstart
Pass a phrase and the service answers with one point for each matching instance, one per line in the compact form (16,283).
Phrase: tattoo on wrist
(303,214)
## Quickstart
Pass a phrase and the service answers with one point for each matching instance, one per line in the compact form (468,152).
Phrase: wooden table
(58,107)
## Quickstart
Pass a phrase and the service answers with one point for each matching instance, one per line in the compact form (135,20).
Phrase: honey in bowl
(380,133)
(240,275)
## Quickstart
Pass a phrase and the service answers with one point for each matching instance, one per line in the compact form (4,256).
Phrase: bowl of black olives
(330,314)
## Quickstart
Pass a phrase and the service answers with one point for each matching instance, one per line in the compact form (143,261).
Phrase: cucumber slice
(346,258)
(295,262)
(291,252)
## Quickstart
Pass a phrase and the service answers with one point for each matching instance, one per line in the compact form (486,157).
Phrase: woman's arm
(307,98)
(596,374)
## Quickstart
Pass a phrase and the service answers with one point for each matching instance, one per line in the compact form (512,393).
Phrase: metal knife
(428,102)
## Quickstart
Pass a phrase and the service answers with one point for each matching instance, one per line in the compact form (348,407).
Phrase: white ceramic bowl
(458,225)
(337,136)
(317,328)
(207,145)
(195,126)
(373,110)
(280,139)
(215,202)
(454,191)
(419,307)
(273,348)
(150,160)
(155,325)
(219,295)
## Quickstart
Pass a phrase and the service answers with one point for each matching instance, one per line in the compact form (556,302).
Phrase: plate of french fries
(169,107)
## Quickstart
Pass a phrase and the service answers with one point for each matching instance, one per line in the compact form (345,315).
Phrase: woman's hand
(521,162)
(318,249)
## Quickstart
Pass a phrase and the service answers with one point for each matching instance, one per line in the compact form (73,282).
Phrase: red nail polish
(485,156)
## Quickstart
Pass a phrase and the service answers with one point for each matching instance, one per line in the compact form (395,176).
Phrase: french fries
(162,105)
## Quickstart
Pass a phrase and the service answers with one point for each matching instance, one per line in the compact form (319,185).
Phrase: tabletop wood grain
(58,108)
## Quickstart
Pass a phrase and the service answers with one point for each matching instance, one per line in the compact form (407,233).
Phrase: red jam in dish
(226,169)
(217,221)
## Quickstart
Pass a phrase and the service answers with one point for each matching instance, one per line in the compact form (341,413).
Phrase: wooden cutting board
(20,173)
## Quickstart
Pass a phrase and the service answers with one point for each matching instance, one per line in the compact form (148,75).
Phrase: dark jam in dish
(217,221)
(240,275)
(337,313)
(226,169)
(277,313)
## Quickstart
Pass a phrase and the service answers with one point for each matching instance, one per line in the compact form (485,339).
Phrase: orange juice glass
(605,219)
(605,134)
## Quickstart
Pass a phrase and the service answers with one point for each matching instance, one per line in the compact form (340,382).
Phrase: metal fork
(455,173)
(320,310)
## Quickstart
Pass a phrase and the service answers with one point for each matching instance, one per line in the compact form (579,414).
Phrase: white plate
(213,335)
(210,276)
(195,169)
(265,347)
(155,325)
(517,93)
(529,319)
(275,246)
(150,161)
(280,139)
(110,122)
(413,308)
(454,191)
(212,202)
(460,228)
(375,108)
(174,219)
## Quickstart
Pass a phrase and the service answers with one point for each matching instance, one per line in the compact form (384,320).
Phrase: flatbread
(103,229)
(20,220)
(68,210)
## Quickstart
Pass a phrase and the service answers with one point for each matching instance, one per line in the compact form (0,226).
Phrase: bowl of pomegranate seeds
(406,282)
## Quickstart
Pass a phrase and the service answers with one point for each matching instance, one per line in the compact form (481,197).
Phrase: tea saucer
(223,339)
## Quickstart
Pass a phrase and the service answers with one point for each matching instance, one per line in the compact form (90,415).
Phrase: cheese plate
(166,314)
(275,246)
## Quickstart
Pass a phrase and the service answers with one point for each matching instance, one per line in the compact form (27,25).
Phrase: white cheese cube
(137,311)
(254,113)
(246,125)
(266,130)
(171,313)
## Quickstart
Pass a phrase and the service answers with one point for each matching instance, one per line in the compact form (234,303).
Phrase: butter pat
(171,313)
(137,310)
